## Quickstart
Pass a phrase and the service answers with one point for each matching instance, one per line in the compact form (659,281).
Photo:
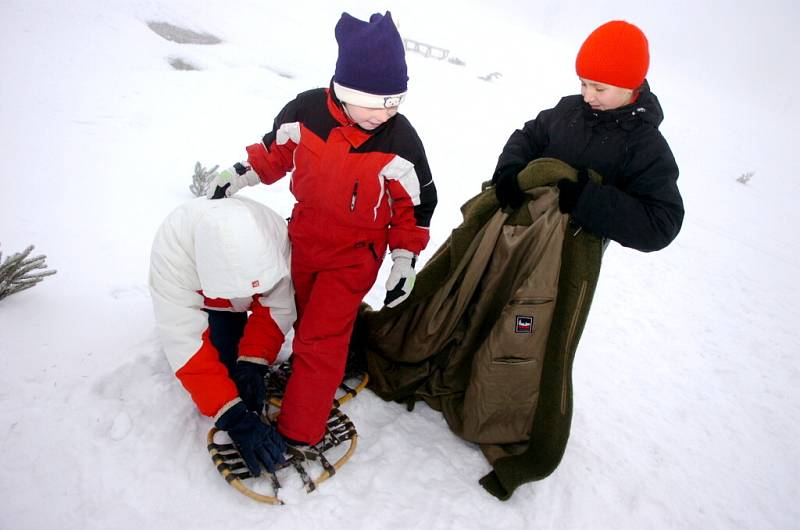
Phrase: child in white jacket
(223,302)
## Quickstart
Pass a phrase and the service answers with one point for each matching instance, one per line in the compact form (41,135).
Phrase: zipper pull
(353,198)
(573,224)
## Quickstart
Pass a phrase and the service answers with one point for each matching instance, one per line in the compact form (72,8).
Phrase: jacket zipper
(354,197)
(568,346)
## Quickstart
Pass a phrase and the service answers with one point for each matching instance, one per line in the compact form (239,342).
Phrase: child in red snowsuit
(362,184)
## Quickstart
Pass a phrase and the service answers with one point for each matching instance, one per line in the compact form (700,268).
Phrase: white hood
(235,244)
(228,248)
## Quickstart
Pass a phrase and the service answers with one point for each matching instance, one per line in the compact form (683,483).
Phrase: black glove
(506,186)
(257,442)
(569,191)
(249,379)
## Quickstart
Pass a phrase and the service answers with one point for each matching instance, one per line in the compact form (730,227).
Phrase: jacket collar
(645,109)
(349,129)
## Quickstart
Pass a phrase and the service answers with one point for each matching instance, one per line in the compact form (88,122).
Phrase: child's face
(367,118)
(601,96)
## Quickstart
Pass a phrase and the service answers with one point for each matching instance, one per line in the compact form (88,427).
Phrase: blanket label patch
(524,324)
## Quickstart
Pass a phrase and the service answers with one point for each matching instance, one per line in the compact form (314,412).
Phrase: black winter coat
(638,205)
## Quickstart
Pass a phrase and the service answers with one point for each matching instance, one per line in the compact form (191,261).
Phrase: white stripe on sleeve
(286,132)
(402,170)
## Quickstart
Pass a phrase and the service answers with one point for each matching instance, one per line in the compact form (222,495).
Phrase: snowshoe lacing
(278,376)
(339,430)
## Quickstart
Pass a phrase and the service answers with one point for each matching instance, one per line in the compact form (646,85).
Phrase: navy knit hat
(371,68)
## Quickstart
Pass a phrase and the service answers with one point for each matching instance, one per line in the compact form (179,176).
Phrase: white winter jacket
(230,254)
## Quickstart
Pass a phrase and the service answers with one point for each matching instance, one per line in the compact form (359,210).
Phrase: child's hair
(616,54)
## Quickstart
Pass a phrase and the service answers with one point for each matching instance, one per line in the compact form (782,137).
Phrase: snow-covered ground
(687,380)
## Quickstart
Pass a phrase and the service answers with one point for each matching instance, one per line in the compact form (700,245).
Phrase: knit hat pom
(616,54)
(371,68)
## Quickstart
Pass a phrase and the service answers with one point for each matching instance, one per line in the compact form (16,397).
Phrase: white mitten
(401,278)
(226,183)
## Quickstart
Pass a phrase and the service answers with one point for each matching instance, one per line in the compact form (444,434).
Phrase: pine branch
(16,272)
(201,178)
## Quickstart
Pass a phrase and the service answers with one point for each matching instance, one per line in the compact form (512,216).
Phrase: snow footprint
(121,426)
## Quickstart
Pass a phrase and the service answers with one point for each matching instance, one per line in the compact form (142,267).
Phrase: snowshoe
(305,461)
(354,381)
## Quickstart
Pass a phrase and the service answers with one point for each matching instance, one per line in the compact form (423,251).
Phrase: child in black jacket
(612,128)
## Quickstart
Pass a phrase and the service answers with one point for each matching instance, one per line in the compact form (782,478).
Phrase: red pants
(330,281)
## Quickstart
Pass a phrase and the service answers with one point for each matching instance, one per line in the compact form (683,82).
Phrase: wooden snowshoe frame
(230,465)
(339,430)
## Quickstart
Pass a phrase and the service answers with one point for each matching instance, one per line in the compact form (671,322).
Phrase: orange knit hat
(616,54)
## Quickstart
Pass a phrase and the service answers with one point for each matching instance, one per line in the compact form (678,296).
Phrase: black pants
(225,328)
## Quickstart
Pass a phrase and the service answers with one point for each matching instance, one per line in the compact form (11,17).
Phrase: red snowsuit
(357,191)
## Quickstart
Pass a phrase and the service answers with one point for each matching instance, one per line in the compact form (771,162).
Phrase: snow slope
(687,400)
